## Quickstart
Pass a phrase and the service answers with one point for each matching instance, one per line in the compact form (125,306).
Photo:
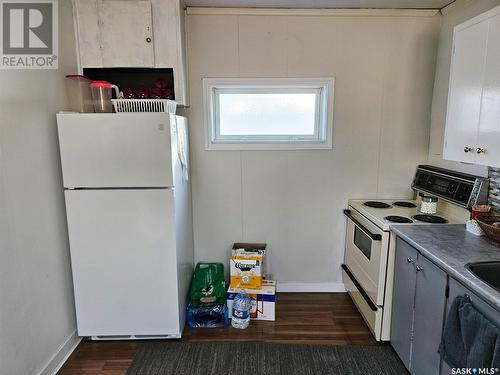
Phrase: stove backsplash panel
(494,196)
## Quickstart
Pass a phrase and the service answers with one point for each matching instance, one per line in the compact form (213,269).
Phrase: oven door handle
(373,236)
(365,296)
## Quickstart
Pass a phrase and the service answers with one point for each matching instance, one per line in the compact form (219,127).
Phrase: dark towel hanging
(469,339)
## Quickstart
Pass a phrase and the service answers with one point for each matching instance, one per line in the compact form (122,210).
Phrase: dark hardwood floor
(312,318)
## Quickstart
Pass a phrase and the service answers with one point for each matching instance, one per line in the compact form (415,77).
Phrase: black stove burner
(376,204)
(398,219)
(405,204)
(430,219)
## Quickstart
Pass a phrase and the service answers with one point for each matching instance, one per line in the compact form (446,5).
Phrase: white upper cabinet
(133,33)
(126,33)
(466,85)
(473,118)
(489,123)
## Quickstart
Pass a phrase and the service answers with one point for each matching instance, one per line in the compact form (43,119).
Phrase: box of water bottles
(262,301)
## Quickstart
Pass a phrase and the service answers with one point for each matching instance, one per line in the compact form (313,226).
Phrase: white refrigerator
(128,207)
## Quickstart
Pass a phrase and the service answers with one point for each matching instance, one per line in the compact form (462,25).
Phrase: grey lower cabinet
(403,300)
(430,303)
(456,289)
(418,309)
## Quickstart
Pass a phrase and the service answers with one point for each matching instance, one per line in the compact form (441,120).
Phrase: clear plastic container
(78,93)
(240,316)
(102,92)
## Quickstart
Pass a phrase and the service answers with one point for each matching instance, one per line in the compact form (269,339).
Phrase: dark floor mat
(181,358)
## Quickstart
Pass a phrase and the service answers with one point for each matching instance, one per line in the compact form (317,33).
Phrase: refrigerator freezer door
(124,263)
(115,150)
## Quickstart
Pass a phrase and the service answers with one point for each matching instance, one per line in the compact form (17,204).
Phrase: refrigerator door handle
(181,148)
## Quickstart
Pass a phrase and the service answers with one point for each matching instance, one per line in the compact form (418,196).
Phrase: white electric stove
(386,212)
(368,268)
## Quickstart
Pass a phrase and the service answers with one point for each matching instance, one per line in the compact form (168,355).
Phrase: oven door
(366,256)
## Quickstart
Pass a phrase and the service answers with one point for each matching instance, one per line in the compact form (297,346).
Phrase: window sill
(267,146)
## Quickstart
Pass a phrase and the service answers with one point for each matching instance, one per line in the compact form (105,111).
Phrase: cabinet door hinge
(447,291)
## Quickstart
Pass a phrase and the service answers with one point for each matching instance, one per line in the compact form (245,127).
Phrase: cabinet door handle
(419,268)
(410,260)
(480,150)
(468,149)
(148,40)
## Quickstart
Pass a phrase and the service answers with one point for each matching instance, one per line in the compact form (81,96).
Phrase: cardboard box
(247,265)
(263,301)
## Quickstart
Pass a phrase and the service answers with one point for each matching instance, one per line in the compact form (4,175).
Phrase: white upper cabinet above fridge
(115,33)
(473,118)
(132,34)
(126,32)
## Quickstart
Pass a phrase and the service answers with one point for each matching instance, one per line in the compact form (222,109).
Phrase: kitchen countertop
(451,247)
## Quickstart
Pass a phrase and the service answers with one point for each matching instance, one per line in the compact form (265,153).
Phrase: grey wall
(456,13)
(293,200)
(37,320)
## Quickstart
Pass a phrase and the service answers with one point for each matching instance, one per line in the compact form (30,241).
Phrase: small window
(268,114)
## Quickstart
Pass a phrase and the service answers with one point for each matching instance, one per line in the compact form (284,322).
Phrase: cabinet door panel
(126,33)
(457,289)
(430,302)
(88,33)
(403,300)
(464,101)
(489,125)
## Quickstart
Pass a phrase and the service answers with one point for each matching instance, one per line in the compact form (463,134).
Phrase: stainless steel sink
(489,272)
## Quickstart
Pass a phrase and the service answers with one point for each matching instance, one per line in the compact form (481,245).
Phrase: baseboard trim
(61,355)
(291,287)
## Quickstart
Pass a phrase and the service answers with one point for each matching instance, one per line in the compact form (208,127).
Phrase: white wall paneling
(383,64)
(37,319)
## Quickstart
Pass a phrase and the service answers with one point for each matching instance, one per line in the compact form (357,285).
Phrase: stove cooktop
(403,212)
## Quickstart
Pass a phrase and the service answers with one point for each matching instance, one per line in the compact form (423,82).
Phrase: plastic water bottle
(240,316)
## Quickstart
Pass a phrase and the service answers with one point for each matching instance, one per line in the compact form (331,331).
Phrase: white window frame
(322,139)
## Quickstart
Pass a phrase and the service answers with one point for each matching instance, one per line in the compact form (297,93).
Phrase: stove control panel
(460,188)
